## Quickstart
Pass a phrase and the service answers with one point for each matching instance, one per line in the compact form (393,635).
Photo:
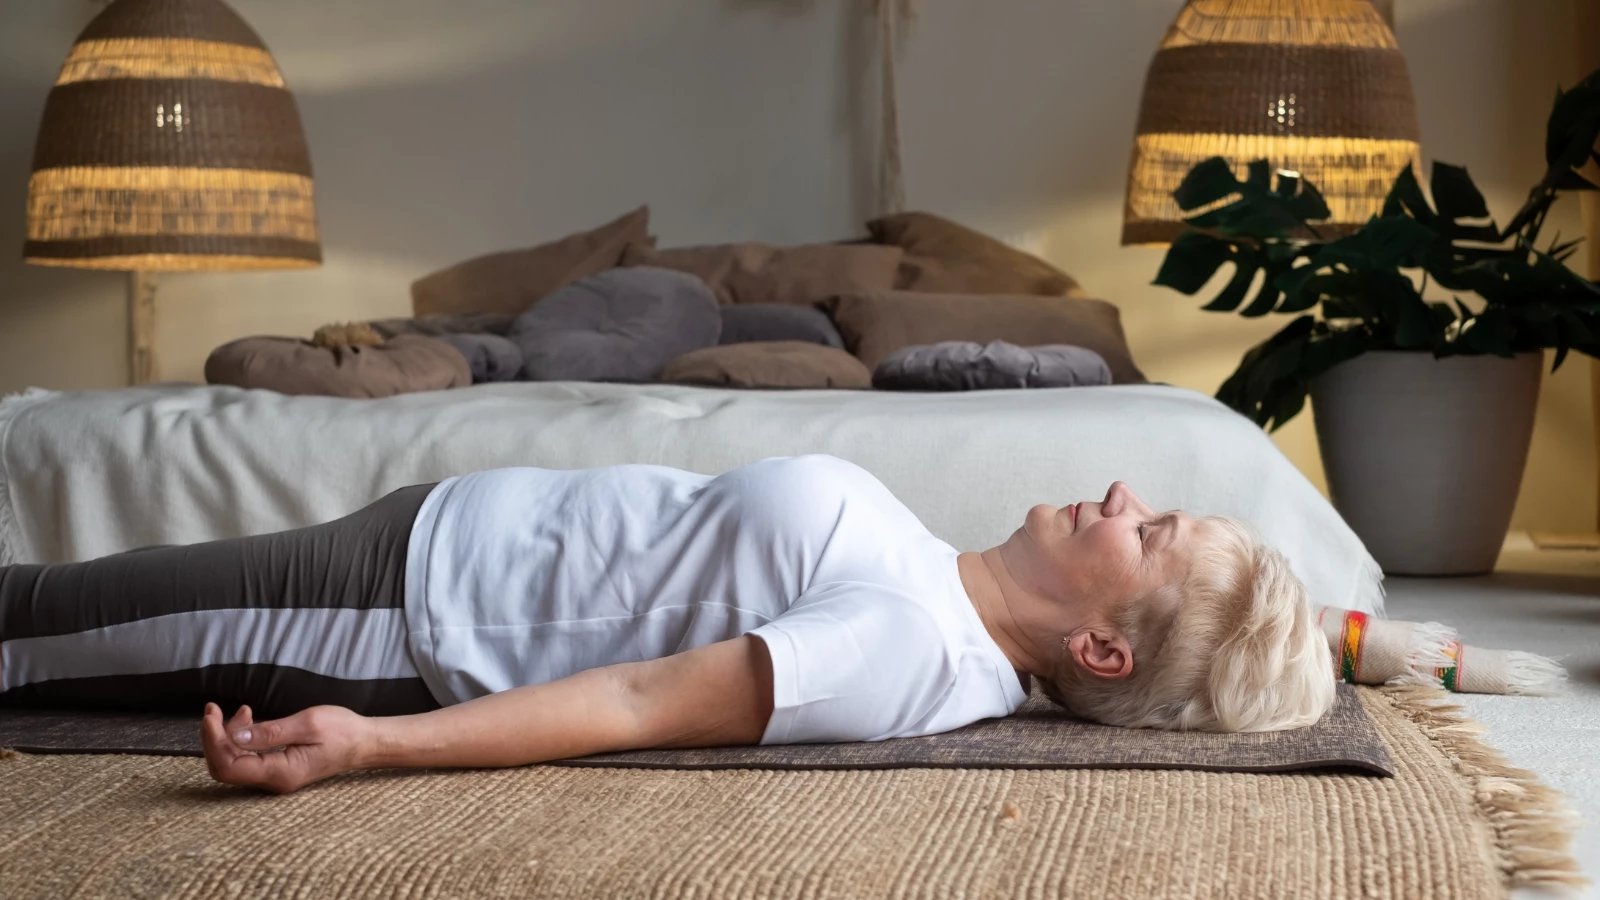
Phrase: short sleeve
(855,662)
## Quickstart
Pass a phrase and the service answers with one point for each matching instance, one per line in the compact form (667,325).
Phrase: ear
(1102,652)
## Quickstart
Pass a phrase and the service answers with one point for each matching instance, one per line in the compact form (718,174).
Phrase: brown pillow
(770,364)
(945,258)
(876,325)
(291,366)
(760,273)
(510,282)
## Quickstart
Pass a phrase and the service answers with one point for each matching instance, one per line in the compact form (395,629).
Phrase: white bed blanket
(90,473)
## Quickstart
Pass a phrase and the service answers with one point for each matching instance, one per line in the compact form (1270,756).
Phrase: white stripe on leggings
(353,644)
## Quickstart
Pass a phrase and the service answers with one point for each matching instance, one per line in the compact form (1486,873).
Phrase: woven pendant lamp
(1313,86)
(170,143)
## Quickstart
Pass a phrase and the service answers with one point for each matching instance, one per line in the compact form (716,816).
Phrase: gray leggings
(278,621)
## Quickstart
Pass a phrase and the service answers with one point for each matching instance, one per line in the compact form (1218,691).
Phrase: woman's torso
(521,576)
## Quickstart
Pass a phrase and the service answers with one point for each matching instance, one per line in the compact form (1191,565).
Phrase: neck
(990,587)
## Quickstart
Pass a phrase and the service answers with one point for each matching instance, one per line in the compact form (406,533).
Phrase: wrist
(372,746)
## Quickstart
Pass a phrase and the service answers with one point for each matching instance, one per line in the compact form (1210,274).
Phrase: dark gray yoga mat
(1038,736)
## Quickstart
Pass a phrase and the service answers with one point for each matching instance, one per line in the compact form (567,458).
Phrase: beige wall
(445,129)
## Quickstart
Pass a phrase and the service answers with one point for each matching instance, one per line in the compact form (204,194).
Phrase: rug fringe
(1530,673)
(1431,643)
(1533,828)
(1427,653)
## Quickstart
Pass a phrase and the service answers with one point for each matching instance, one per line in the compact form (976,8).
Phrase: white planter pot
(1424,456)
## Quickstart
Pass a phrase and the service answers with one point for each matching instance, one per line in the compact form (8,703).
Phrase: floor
(1546,602)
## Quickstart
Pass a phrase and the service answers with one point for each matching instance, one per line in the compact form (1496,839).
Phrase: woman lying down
(520,615)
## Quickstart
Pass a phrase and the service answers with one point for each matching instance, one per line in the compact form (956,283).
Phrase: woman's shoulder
(805,468)
(807,492)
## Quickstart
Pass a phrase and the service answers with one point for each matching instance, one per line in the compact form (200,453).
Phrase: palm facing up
(283,755)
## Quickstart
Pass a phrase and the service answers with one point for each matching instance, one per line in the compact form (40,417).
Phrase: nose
(1121,499)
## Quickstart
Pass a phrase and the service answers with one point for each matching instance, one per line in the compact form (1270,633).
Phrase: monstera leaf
(1574,124)
(1457,198)
(1273,378)
(1268,205)
(1247,231)
(1569,145)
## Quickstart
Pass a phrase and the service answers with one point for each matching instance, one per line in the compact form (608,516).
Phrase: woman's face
(1101,555)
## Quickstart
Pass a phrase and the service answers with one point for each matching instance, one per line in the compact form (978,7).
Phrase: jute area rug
(1454,822)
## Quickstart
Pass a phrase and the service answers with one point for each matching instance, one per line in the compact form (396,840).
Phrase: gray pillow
(449,323)
(489,356)
(749,322)
(617,325)
(970,366)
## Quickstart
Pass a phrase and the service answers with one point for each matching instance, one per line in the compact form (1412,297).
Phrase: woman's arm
(716,695)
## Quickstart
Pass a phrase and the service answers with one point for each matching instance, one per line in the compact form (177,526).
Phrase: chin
(1041,521)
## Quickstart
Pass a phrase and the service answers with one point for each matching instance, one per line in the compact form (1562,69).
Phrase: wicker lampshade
(1314,86)
(170,143)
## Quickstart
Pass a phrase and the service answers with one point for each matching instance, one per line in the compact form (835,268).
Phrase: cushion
(970,366)
(770,364)
(945,258)
(514,280)
(447,323)
(876,325)
(619,325)
(292,366)
(778,322)
(760,273)
(491,357)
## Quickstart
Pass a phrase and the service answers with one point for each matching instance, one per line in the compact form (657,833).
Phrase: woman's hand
(283,755)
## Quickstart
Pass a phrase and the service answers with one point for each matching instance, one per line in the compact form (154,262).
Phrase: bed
(83,474)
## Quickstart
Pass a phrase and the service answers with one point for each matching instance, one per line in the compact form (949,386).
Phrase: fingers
(230,761)
(212,730)
(230,764)
(299,728)
(242,718)
(271,771)
(218,747)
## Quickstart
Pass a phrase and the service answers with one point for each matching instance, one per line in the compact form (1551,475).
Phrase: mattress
(83,474)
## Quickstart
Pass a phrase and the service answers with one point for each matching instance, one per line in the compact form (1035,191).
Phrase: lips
(1072,510)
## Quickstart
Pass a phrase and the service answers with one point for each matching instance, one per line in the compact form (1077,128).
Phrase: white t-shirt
(523,576)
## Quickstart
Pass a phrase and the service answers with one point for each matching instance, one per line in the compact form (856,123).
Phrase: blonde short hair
(1231,647)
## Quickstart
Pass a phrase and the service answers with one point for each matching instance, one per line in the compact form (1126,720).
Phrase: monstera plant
(1419,337)
(1366,291)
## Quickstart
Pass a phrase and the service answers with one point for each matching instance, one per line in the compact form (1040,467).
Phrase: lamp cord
(892,16)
